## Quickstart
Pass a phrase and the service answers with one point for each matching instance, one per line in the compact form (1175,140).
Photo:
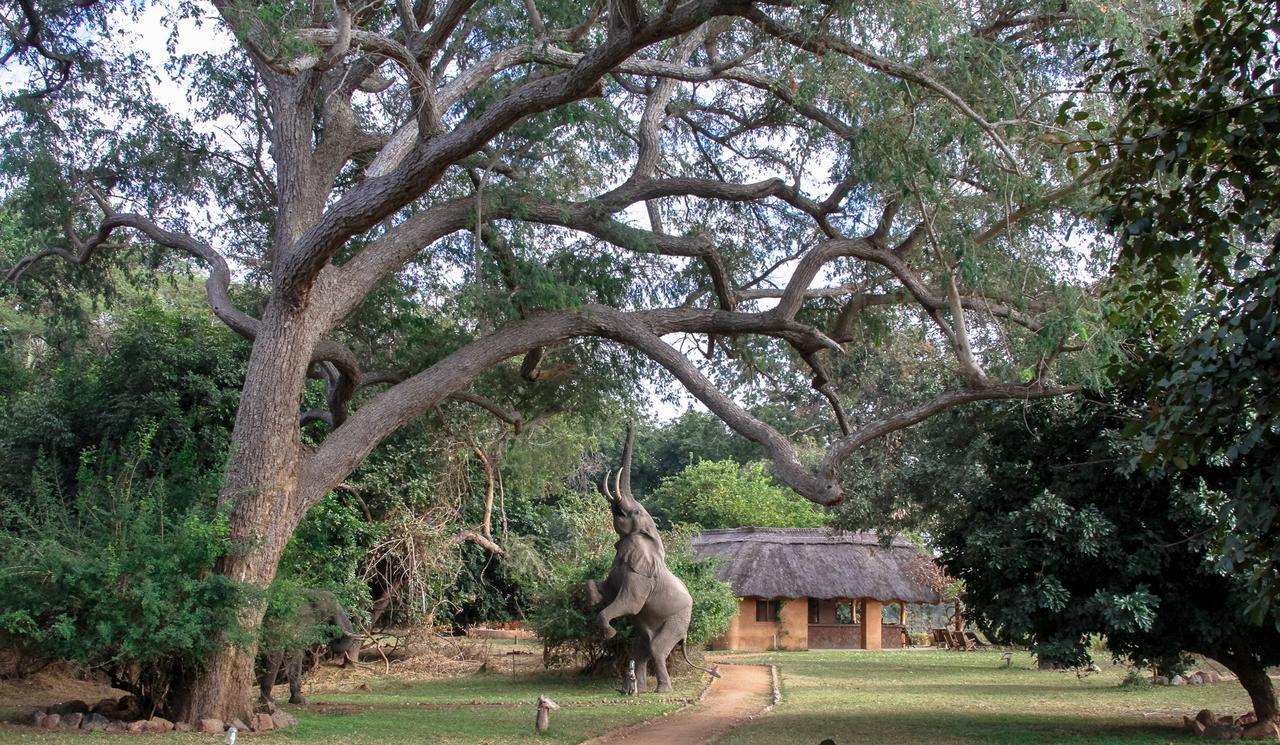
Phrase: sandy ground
(742,692)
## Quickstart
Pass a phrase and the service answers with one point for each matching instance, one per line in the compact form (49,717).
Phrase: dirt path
(742,692)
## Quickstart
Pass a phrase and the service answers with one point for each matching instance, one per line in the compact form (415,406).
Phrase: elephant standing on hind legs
(640,585)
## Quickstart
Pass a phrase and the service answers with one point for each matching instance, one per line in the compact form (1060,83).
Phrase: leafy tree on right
(1056,539)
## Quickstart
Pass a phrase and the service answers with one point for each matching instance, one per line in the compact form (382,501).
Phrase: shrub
(110,579)
(722,494)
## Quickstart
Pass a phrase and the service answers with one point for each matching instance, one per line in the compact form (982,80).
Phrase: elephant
(640,585)
(320,616)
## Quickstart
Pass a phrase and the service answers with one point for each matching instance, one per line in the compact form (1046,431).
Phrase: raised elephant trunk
(639,584)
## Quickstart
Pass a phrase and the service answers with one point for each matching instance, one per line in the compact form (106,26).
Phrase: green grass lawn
(488,708)
(941,698)
(945,698)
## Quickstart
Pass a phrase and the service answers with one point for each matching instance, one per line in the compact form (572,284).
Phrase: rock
(159,724)
(262,723)
(1246,719)
(283,719)
(182,727)
(72,720)
(1178,680)
(239,725)
(115,726)
(1268,730)
(1192,725)
(1218,731)
(51,721)
(1195,679)
(32,716)
(212,726)
(1159,680)
(1093,668)
(94,722)
(1206,717)
(136,727)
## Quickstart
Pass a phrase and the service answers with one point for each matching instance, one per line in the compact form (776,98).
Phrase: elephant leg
(640,653)
(267,680)
(594,597)
(663,642)
(632,594)
(295,679)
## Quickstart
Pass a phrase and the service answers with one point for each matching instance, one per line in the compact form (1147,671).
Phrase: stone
(1178,680)
(1218,731)
(159,724)
(262,723)
(1093,668)
(1192,725)
(1246,719)
(136,727)
(75,706)
(239,725)
(93,722)
(1210,676)
(1159,680)
(212,726)
(1195,679)
(51,721)
(283,719)
(1205,717)
(1268,730)
(32,716)
(115,726)
(72,720)
(182,727)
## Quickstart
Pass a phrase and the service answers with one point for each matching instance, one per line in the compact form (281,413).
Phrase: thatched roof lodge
(814,588)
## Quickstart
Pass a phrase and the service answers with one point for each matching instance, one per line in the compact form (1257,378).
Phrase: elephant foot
(663,687)
(298,699)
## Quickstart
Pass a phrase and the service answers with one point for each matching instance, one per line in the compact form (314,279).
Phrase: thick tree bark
(264,505)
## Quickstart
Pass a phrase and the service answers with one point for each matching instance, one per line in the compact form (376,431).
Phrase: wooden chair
(940,639)
(973,640)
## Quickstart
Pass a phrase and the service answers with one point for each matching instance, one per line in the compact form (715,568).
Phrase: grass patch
(951,698)
(490,708)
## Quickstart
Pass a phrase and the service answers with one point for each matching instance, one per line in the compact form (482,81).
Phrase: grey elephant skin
(640,585)
(320,615)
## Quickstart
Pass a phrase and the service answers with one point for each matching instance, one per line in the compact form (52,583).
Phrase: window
(767,610)
(843,613)
(894,613)
(814,616)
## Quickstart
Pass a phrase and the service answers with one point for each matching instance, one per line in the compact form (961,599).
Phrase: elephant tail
(684,652)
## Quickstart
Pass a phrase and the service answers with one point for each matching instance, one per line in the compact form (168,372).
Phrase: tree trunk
(264,507)
(1253,676)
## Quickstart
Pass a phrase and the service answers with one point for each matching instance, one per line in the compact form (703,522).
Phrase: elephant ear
(640,554)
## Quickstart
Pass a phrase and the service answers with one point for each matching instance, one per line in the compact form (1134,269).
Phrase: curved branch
(217,286)
(820,43)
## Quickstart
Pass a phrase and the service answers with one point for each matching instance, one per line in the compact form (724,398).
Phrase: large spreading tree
(528,192)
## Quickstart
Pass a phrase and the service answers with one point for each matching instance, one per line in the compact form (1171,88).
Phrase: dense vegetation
(431,301)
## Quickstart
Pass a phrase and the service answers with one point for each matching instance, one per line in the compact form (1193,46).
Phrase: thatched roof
(817,563)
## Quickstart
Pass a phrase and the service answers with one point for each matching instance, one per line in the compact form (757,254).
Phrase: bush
(110,579)
(722,494)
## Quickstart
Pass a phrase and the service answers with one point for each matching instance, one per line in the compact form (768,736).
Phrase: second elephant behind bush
(293,645)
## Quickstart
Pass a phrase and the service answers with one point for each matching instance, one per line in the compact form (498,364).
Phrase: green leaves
(722,494)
